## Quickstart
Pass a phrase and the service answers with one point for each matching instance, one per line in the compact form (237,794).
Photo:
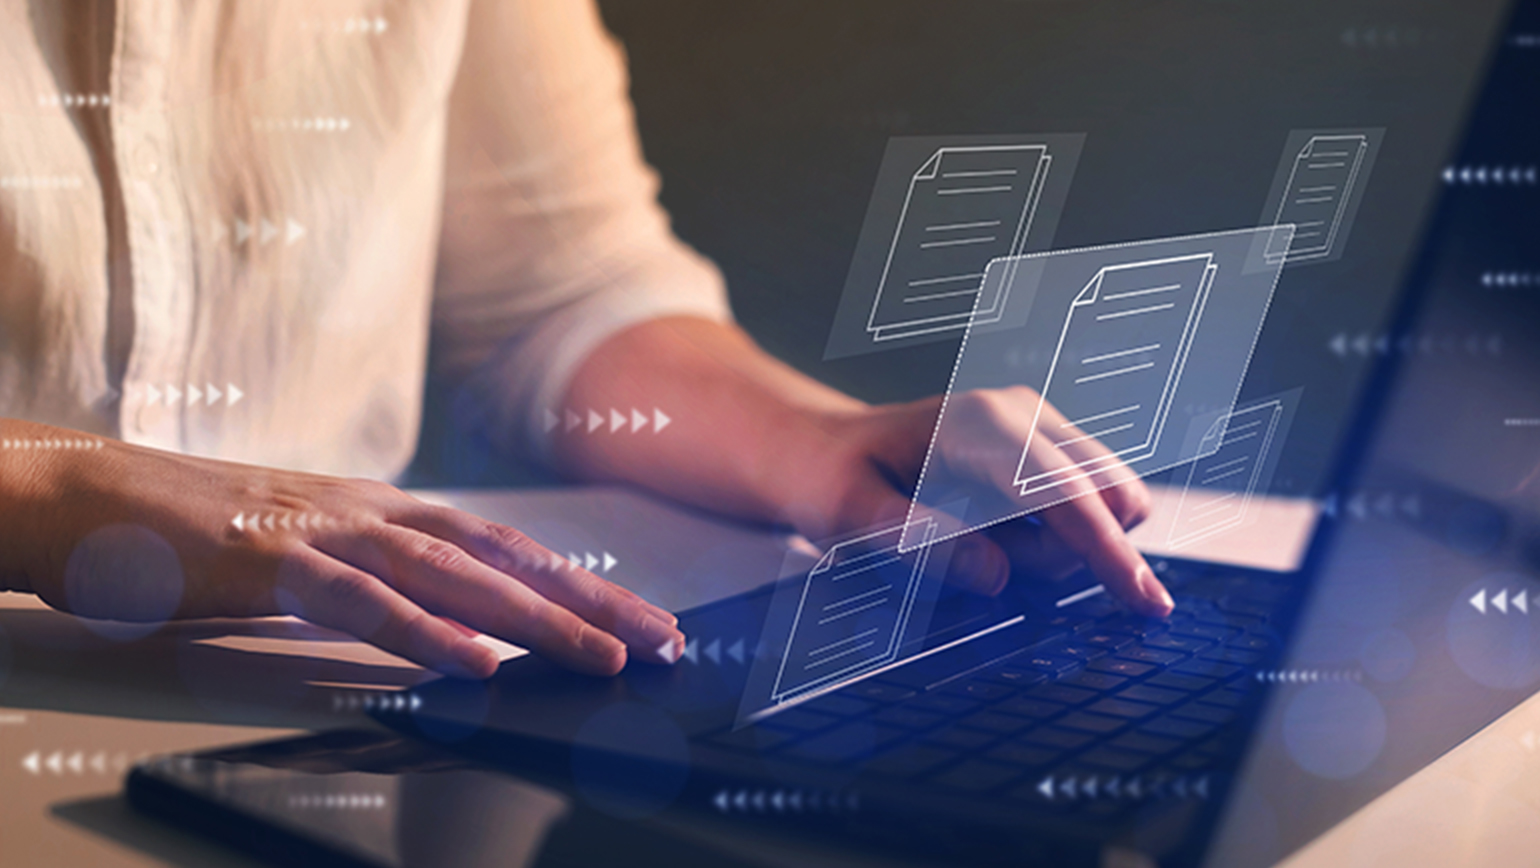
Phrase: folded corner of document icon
(855,611)
(1120,357)
(965,206)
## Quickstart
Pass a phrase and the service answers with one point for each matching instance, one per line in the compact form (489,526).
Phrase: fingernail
(1155,592)
(602,644)
(665,641)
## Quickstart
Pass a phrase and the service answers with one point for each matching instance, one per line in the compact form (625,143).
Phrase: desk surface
(76,709)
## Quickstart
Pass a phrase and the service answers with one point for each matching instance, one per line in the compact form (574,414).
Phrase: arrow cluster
(1483,175)
(264,231)
(78,763)
(1307,676)
(1509,278)
(570,420)
(1363,344)
(209,394)
(338,800)
(75,100)
(1503,601)
(782,801)
(318,124)
(393,700)
(1387,505)
(362,26)
(257,522)
(53,443)
(714,651)
(1117,787)
(1521,422)
(587,560)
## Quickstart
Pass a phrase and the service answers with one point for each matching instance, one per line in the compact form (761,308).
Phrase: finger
(333,594)
(604,604)
(1090,530)
(1119,486)
(1035,549)
(979,565)
(447,581)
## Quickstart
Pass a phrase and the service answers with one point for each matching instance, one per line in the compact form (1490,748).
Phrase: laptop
(1050,725)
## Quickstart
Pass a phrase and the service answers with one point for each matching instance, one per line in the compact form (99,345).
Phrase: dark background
(768,121)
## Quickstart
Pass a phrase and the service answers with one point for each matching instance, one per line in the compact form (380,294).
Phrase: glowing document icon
(855,608)
(1317,193)
(965,207)
(1220,484)
(1120,357)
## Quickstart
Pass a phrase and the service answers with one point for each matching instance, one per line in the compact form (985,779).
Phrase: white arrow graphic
(638,420)
(30,762)
(232,395)
(617,420)
(660,420)
(594,421)
(294,231)
(609,562)
(1479,601)
(551,421)
(269,231)
(242,231)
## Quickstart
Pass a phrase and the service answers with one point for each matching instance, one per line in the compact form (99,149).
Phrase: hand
(135,534)
(868,464)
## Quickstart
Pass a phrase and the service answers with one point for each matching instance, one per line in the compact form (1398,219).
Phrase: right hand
(101,531)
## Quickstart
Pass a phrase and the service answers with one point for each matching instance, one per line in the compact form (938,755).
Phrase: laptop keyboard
(1098,710)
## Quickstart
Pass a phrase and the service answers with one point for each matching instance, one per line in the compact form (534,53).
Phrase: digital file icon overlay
(1123,356)
(941,210)
(1239,453)
(1318,187)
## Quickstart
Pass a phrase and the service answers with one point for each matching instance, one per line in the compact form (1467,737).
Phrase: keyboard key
(1082,651)
(1027,706)
(841,706)
(1123,708)
(1013,676)
(1211,632)
(981,691)
(1151,655)
(1172,727)
(799,720)
(1090,723)
(1136,626)
(1141,742)
(877,691)
(1157,695)
(1024,755)
(1206,713)
(846,743)
(904,717)
(1061,693)
(1184,644)
(1250,642)
(1228,619)
(991,721)
(1125,668)
(1053,737)
(1207,669)
(1050,664)
(1114,760)
(960,739)
(1108,640)
(1098,681)
(1177,681)
(951,706)
(1232,655)
(976,776)
(910,760)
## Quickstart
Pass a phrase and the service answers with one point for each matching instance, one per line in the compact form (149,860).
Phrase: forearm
(747,430)
(35,461)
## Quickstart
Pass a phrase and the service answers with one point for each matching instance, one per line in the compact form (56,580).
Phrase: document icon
(965,207)
(1120,356)
(1221,482)
(1316,196)
(854,610)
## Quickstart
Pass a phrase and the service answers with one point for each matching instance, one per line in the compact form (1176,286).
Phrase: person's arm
(104,529)
(753,438)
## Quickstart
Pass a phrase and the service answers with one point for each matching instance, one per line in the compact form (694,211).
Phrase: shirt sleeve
(553,239)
